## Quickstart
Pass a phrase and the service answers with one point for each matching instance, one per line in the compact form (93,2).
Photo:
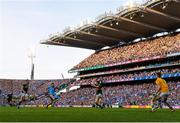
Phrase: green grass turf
(86,114)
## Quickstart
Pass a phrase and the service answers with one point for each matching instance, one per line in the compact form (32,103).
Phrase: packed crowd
(137,94)
(124,94)
(37,87)
(125,76)
(6,87)
(126,69)
(156,47)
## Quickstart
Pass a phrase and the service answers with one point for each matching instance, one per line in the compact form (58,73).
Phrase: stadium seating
(128,94)
(124,94)
(126,76)
(144,49)
(37,87)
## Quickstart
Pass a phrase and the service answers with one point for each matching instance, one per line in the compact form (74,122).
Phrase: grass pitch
(9,114)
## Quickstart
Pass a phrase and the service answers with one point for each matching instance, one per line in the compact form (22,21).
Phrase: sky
(25,23)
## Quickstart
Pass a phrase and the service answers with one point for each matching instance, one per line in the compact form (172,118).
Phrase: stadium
(130,47)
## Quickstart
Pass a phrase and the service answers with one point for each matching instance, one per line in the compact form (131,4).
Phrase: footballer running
(24,93)
(51,93)
(99,93)
(161,94)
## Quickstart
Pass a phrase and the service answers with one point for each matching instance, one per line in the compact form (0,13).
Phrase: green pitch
(86,114)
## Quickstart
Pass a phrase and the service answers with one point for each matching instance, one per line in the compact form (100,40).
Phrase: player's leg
(10,102)
(22,98)
(56,99)
(159,103)
(51,97)
(54,102)
(96,101)
(9,99)
(26,97)
(154,101)
(19,103)
(100,102)
(164,99)
(32,99)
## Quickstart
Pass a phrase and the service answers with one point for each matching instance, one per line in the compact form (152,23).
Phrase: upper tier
(144,49)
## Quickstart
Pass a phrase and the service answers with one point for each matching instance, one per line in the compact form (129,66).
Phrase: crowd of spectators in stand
(137,94)
(155,47)
(127,94)
(125,76)
(36,87)
(136,67)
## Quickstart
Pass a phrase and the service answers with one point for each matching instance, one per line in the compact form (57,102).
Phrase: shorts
(25,90)
(98,95)
(25,96)
(163,96)
(9,100)
(55,96)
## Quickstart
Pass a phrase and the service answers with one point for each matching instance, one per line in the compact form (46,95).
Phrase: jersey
(9,98)
(51,90)
(25,87)
(99,88)
(163,85)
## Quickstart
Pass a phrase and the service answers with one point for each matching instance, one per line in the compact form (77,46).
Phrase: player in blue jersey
(52,94)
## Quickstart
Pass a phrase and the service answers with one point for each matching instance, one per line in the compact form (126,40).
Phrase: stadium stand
(122,94)
(131,76)
(36,87)
(128,73)
(133,91)
(128,67)
(145,49)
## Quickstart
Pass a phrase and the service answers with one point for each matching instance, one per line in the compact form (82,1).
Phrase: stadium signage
(170,75)
(122,71)
(173,54)
(167,75)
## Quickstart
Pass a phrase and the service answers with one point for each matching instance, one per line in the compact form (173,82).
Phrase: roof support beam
(61,44)
(118,30)
(177,1)
(140,23)
(54,43)
(162,14)
(99,36)
(84,41)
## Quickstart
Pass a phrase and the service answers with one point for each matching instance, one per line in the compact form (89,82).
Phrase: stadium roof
(128,24)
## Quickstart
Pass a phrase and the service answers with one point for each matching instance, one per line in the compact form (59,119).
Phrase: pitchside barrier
(88,106)
(136,106)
